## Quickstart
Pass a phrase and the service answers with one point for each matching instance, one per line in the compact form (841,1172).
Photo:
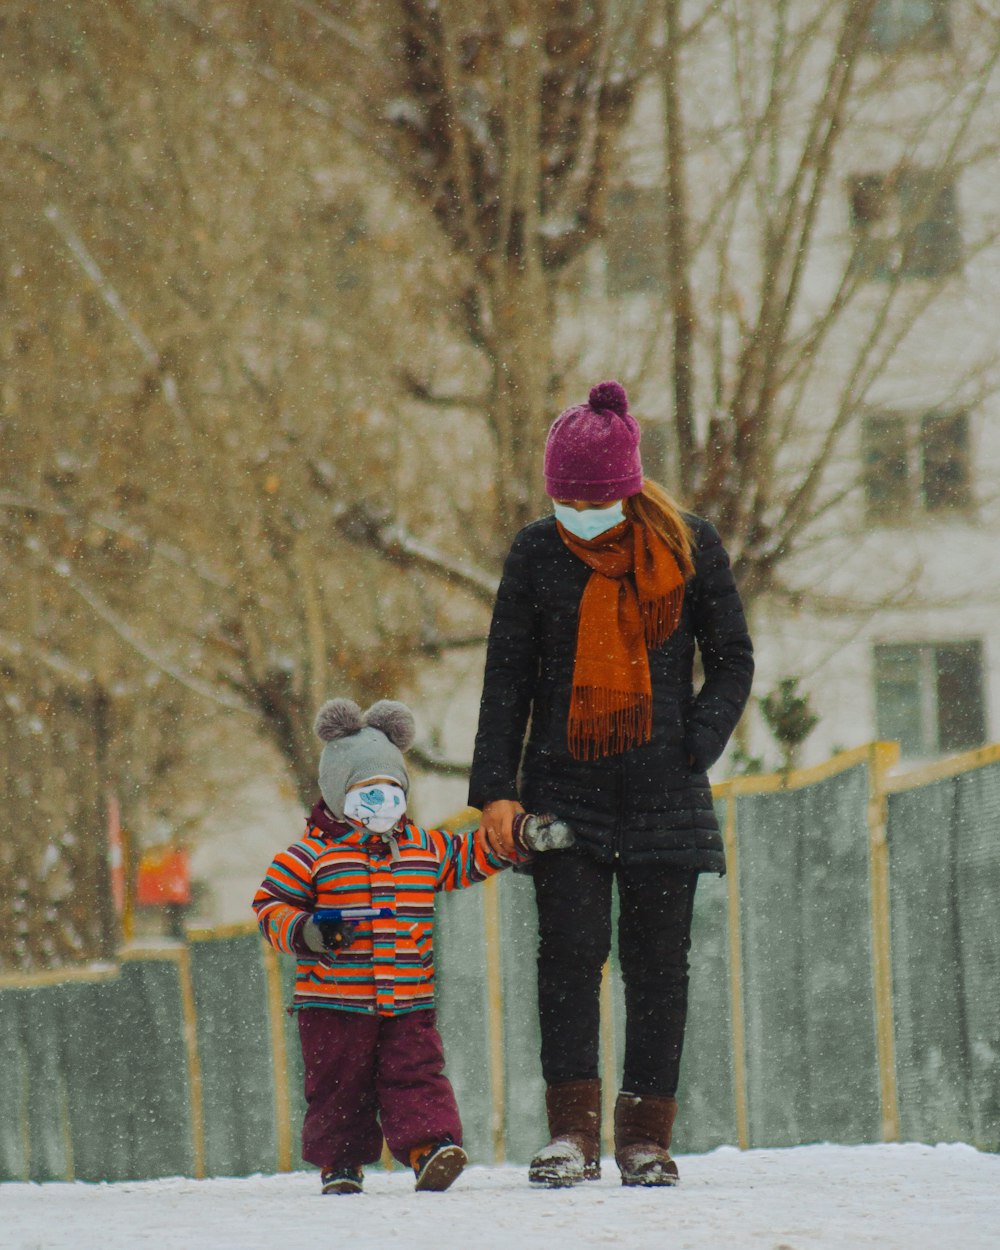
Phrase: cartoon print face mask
(377,807)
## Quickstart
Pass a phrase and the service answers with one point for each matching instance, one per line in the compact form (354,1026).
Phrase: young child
(364,990)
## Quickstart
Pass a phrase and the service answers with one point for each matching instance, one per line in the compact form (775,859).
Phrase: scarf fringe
(661,616)
(630,606)
(607,722)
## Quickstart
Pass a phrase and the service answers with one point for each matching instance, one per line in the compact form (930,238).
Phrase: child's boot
(574,1153)
(342,1180)
(437,1164)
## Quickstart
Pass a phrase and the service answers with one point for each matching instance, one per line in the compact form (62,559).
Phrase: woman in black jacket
(593,644)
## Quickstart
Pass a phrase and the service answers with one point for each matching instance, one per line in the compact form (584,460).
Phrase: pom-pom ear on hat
(338,718)
(395,720)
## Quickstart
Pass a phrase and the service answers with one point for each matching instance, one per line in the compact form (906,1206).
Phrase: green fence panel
(234,1046)
(978,886)
(706,1115)
(43,1027)
(462,996)
(525,1124)
(150,1032)
(811,1060)
(13,1090)
(295,1070)
(944,886)
(931,1059)
(101,1081)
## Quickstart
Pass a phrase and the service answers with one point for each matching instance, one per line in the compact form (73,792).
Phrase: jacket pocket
(421,938)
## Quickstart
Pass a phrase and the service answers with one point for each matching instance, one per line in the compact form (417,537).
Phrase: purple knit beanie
(592,451)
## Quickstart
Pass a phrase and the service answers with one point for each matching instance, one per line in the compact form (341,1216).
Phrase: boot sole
(343,1187)
(441,1170)
(551,1179)
(662,1179)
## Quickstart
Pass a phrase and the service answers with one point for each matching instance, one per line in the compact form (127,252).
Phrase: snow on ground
(905,1197)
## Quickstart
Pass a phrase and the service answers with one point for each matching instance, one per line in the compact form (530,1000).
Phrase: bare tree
(501,122)
(811,218)
(505,118)
(198,352)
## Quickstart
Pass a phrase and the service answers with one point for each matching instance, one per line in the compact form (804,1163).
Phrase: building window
(905,225)
(916,464)
(634,241)
(929,697)
(909,25)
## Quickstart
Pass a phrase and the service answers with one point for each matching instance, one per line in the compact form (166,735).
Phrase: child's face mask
(377,806)
(589,523)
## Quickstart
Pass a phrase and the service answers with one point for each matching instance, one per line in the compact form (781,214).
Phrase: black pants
(654,936)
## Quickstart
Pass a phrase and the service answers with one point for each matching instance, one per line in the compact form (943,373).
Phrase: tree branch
(132,637)
(17,648)
(394,543)
(421,391)
(431,762)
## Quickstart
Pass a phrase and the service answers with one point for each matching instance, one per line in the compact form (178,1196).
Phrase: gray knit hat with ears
(361,745)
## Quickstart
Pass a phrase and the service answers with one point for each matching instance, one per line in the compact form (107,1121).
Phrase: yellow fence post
(883,755)
(193,1059)
(609,1070)
(737,1018)
(498,1087)
(279,1055)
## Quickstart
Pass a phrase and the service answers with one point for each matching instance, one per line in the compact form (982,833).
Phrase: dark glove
(541,833)
(328,935)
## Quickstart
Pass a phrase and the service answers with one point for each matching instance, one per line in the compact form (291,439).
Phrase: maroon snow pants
(369,1076)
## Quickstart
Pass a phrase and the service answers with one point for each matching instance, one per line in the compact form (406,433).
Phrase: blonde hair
(655,508)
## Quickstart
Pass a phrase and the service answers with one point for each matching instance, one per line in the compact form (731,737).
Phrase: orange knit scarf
(631,603)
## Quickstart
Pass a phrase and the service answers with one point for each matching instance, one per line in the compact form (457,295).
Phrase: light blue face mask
(589,523)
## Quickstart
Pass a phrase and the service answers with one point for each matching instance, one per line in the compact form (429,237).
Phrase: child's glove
(323,936)
(541,833)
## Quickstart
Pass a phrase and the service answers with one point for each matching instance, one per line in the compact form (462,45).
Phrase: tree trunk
(522,375)
(678,256)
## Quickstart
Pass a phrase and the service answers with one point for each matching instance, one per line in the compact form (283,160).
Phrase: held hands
(496,828)
(524,835)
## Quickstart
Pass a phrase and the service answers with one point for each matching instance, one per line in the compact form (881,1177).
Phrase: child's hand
(327,935)
(542,833)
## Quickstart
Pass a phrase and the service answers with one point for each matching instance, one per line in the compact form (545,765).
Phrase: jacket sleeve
(508,683)
(461,862)
(726,651)
(286,899)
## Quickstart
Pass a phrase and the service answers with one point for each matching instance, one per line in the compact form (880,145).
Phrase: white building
(890,618)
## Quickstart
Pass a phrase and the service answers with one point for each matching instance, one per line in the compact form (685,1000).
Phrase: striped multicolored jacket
(389,967)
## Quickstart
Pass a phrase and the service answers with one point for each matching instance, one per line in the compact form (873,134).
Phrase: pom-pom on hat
(592,450)
(360,745)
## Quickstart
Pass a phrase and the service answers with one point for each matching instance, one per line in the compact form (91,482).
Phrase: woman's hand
(495,832)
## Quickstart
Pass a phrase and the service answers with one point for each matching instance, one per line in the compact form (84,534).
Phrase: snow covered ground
(906,1197)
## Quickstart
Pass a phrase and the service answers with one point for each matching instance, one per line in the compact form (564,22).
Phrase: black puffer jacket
(648,805)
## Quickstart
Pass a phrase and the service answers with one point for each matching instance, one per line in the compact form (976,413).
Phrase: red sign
(164,877)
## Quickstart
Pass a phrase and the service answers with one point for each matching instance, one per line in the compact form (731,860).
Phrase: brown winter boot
(574,1153)
(643,1125)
